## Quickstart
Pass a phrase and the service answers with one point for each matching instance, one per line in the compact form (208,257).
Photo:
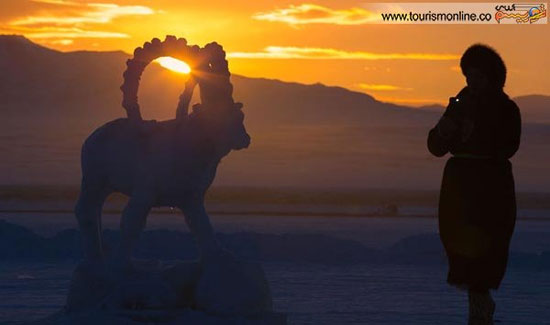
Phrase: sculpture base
(176,317)
(224,291)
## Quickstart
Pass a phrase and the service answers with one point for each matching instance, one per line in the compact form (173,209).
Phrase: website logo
(520,12)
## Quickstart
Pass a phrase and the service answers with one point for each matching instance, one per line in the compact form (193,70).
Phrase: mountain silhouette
(302,135)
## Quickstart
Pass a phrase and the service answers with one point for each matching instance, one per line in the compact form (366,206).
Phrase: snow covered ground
(341,270)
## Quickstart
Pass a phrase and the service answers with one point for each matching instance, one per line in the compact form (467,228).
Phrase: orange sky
(413,64)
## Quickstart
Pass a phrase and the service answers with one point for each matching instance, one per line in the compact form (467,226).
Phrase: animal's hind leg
(132,223)
(88,213)
(199,224)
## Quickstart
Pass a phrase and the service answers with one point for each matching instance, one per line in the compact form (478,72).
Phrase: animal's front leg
(199,224)
(133,222)
(88,214)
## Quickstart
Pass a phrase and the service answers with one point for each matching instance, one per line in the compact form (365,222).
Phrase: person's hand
(446,127)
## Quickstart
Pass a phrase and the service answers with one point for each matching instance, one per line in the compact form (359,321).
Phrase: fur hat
(487,60)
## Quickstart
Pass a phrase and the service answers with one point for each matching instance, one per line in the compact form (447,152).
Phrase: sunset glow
(173,64)
(335,43)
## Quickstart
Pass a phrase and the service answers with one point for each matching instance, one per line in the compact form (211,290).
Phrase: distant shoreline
(279,202)
(264,213)
(342,197)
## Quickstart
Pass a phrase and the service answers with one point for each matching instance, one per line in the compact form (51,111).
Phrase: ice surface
(406,285)
(529,250)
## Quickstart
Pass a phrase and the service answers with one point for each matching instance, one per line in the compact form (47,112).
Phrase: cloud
(63,42)
(315,14)
(381,87)
(57,2)
(60,22)
(94,13)
(410,101)
(290,52)
(74,33)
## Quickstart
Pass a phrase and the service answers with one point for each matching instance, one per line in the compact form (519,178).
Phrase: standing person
(481,128)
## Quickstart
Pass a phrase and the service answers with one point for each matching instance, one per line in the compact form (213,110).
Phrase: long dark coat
(477,206)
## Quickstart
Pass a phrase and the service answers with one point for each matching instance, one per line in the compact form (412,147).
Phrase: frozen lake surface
(317,293)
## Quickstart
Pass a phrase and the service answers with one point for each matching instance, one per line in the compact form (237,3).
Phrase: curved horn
(185,98)
(216,87)
(150,51)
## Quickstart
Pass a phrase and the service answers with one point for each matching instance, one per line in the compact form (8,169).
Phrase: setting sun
(173,64)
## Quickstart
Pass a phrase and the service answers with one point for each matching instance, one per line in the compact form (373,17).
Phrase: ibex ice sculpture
(169,163)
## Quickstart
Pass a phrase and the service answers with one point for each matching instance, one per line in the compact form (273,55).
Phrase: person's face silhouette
(477,81)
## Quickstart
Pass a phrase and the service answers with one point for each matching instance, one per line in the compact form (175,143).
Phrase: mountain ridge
(302,135)
(23,40)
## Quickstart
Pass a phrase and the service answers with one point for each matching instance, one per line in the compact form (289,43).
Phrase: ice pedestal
(228,286)
(220,291)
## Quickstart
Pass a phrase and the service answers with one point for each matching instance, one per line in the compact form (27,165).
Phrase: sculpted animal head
(225,125)
(233,126)
(225,117)
(219,116)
